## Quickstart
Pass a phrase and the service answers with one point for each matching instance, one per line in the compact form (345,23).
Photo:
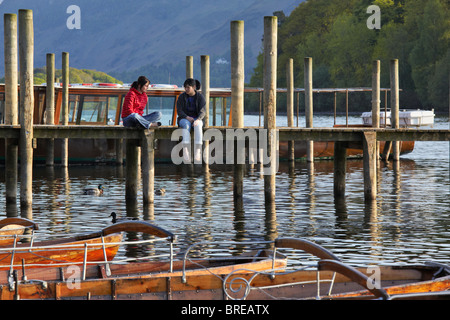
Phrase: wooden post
(189,67)
(224,111)
(370,165)
(26,58)
(50,106)
(132,167)
(65,107)
(11,105)
(376,100)
(204,61)
(340,168)
(290,104)
(270,100)
(376,94)
(148,166)
(237,98)
(237,73)
(395,105)
(309,106)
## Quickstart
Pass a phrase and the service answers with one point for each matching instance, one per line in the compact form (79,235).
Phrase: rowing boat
(11,228)
(329,278)
(83,248)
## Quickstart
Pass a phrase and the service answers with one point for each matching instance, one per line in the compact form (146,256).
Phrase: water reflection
(407,222)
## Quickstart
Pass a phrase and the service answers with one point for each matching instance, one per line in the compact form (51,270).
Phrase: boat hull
(54,252)
(144,280)
(325,149)
(399,282)
(11,229)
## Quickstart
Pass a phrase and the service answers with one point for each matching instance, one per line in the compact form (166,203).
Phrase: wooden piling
(376,100)
(290,104)
(340,168)
(132,167)
(26,59)
(205,67)
(370,165)
(148,167)
(308,79)
(65,107)
(189,67)
(270,95)
(11,105)
(237,73)
(50,106)
(237,99)
(395,106)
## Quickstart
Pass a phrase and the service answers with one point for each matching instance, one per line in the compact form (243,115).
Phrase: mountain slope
(117,35)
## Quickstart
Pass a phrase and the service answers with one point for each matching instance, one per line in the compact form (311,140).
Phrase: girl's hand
(196,122)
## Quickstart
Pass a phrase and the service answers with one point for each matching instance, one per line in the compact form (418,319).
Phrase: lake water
(408,223)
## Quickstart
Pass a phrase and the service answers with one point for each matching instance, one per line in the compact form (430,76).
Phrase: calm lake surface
(409,222)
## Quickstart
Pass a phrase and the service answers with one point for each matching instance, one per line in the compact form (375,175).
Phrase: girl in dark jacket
(191,109)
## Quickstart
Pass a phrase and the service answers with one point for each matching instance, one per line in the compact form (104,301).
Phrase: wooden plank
(285,134)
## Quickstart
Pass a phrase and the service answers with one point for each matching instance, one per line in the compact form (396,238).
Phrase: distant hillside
(117,36)
(75,76)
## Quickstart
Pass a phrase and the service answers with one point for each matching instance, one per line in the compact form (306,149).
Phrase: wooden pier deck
(285,133)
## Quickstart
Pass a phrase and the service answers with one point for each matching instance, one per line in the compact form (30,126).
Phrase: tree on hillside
(431,49)
(335,35)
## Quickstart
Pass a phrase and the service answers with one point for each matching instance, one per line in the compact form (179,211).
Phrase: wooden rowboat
(84,248)
(11,228)
(397,282)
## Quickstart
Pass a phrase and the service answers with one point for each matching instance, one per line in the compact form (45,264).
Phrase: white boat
(407,118)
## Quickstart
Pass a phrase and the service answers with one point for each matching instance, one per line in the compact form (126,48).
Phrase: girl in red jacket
(134,104)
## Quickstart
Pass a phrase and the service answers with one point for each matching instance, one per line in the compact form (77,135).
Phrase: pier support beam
(50,107)
(340,168)
(26,58)
(290,104)
(11,105)
(395,106)
(370,165)
(65,107)
(308,75)
(148,166)
(132,167)
(189,67)
(270,100)
(205,66)
(237,98)
(376,100)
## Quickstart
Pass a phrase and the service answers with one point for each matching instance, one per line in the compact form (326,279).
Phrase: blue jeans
(198,131)
(134,119)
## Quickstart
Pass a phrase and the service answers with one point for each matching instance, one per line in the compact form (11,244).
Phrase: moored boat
(12,228)
(84,248)
(327,278)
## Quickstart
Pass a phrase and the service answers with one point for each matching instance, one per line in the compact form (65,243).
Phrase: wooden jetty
(20,135)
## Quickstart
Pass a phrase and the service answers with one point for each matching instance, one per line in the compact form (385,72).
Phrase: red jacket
(134,102)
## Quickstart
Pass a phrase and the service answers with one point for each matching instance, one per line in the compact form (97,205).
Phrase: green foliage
(75,76)
(335,35)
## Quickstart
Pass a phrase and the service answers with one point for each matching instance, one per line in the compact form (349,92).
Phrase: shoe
(155,124)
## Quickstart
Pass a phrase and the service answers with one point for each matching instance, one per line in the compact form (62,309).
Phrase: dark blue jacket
(200,104)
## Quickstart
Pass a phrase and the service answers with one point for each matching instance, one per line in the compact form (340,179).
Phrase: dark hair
(141,81)
(193,83)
